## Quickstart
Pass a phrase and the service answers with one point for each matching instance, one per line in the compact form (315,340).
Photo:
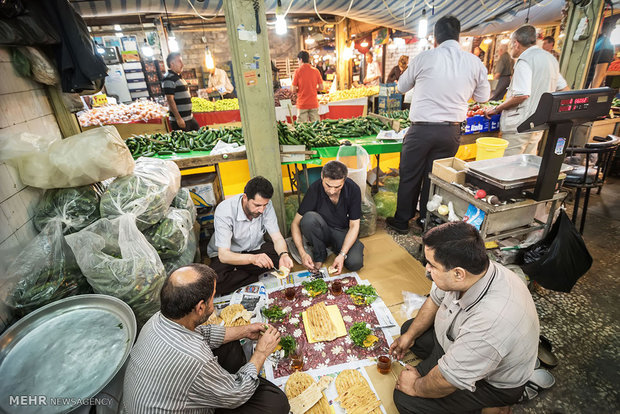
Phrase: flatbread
(235,315)
(282,273)
(213,320)
(355,395)
(321,324)
(297,383)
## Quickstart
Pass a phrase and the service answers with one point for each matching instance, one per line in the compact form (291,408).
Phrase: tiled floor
(582,325)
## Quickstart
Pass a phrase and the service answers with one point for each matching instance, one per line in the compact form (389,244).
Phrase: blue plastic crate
(392,103)
(494,122)
(477,123)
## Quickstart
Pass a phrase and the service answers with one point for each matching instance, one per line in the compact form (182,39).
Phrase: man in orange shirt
(307,82)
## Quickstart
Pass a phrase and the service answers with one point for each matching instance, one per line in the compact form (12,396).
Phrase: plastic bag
(117,260)
(43,71)
(185,258)
(82,159)
(368,221)
(44,271)
(147,193)
(560,259)
(357,161)
(170,235)
(183,200)
(76,208)
(391,184)
(411,303)
(386,203)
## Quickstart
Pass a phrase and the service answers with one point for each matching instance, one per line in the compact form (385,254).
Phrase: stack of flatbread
(213,320)
(305,395)
(321,324)
(235,315)
(355,395)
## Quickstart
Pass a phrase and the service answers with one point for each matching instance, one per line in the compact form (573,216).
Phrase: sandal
(540,380)
(547,358)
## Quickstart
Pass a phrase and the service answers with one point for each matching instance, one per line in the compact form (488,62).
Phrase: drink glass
(336,287)
(297,357)
(289,291)
(384,364)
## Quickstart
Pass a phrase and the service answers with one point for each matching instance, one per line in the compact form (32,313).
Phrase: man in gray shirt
(502,73)
(179,365)
(238,250)
(477,333)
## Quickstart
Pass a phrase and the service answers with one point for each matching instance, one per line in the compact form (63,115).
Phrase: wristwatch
(283,253)
(343,254)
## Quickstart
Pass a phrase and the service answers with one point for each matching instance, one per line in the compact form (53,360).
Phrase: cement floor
(583,324)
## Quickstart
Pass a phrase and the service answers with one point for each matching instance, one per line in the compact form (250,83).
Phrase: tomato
(470,114)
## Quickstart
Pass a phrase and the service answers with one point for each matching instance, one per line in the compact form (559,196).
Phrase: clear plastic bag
(386,203)
(357,161)
(117,260)
(82,159)
(147,193)
(185,258)
(183,200)
(170,235)
(76,208)
(368,221)
(44,271)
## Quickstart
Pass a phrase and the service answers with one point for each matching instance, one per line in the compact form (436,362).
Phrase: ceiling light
(173,45)
(505,41)
(117,27)
(309,40)
(487,41)
(561,35)
(100,50)
(209,62)
(423,25)
(364,44)
(119,34)
(399,41)
(281,27)
(147,50)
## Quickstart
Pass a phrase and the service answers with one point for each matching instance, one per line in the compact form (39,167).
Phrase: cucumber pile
(402,116)
(177,142)
(326,133)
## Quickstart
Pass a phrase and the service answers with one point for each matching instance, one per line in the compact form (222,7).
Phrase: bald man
(502,72)
(179,365)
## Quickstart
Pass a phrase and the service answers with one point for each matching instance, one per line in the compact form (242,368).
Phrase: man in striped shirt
(179,365)
(177,94)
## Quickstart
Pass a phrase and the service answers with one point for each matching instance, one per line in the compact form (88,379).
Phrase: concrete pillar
(249,49)
(577,54)
(343,67)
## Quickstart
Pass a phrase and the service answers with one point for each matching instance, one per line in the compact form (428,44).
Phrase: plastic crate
(388,89)
(393,102)
(476,123)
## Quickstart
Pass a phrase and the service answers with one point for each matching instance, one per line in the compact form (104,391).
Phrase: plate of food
(315,287)
(274,313)
(362,336)
(362,295)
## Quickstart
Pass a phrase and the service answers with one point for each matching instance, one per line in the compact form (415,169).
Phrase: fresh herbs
(358,333)
(288,344)
(362,294)
(274,313)
(315,287)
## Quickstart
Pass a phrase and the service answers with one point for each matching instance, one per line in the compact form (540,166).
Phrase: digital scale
(560,112)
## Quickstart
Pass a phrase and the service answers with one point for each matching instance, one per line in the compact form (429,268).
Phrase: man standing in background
(535,72)
(603,55)
(548,45)
(177,95)
(307,81)
(219,82)
(443,80)
(502,73)
(373,71)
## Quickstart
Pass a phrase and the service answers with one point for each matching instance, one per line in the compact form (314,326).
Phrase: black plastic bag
(560,259)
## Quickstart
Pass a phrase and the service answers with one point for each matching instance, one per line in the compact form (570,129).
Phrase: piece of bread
(235,315)
(355,395)
(297,384)
(320,322)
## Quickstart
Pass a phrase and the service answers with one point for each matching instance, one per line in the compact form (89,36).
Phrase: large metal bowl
(64,353)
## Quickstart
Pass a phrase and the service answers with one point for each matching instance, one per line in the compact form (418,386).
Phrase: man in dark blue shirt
(329,216)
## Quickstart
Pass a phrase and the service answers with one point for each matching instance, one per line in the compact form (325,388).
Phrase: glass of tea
(289,291)
(384,364)
(297,357)
(336,287)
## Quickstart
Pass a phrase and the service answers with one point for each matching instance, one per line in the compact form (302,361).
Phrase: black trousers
(460,401)
(422,145)
(232,277)
(191,125)
(321,236)
(500,89)
(266,398)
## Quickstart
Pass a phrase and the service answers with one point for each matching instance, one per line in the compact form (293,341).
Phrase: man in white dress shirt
(373,71)
(536,72)
(444,79)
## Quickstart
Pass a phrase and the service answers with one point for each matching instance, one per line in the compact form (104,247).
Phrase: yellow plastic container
(488,147)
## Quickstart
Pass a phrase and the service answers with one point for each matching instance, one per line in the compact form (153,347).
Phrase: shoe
(393,224)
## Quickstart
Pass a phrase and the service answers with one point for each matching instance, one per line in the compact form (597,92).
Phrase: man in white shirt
(536,72)
(443,80)
(373,71)
(219,82)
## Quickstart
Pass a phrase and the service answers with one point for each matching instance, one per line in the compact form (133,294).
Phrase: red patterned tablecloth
(324,354)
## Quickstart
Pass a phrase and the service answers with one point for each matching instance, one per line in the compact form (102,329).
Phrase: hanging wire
(431,6)
(217,12)
(527,18)
(339,21)
(285,13)
(499,4)
(399,18)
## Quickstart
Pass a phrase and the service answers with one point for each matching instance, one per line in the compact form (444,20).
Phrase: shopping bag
(558,260)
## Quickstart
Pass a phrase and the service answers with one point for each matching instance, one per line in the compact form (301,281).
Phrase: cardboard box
(451,170)
(203,188)
(284,157)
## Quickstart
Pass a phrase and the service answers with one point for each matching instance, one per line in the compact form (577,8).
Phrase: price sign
(100,100)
